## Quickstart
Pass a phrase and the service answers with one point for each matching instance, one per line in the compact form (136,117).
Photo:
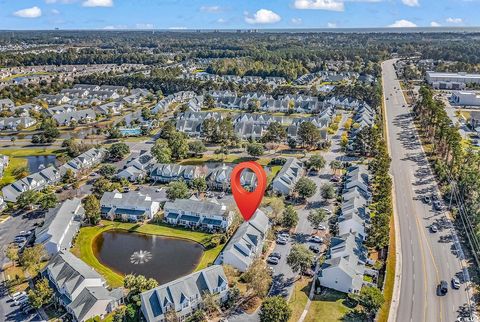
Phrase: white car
(17,295)
(284,235)
(281,241)
(322,227)
(316,239)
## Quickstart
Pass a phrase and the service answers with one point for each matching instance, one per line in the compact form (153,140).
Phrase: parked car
(427,200)
(272,260)
(433,228)
(276,255)
(437,205)
(335,179)
(316,239)
(442,288)
(455,283)
(20,300)
(322,227)
(16,295)
(281,241)
(314,248)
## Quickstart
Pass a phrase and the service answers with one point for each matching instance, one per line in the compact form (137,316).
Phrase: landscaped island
(84,244)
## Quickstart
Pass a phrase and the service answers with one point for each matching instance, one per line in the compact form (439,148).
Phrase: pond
(40,162)
(162,258)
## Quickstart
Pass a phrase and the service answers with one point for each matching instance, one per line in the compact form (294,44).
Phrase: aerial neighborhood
(116,157)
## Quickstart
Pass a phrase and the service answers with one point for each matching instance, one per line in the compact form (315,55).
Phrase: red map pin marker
(248,202)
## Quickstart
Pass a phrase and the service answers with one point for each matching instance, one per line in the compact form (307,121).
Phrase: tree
(371,298)
(103,185)
(177,190)
(197,316)
(196,147)
(199,184)
(171,315)
(300,258)
(162,151)
(255,149)
(92,209)
(118,151)
(316,217)
(305,188)
(69,177)
(275,133)
(278,206)
(178,144)
(48,200)
(290,217)
(107,170)
(20,172)
(32,257)
(208,102)
(258,278)
(211,303)
(12,253)
(316,162)
(138,283)
(28,198)
(328,191)
(335,165)
(275,309)
(308,134)
(41,294)
(146,113)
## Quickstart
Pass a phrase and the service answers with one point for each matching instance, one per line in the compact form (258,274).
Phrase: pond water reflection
(163,258)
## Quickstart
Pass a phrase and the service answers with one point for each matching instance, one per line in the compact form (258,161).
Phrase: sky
(236,14)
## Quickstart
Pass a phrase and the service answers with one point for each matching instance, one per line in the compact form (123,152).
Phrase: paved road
(427,258)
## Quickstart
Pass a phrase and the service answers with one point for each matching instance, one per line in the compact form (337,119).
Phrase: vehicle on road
(316,239)
(276,255)
(442,288)
(281,241)
(455,283)
(433,228)
(314,248)
(272,260)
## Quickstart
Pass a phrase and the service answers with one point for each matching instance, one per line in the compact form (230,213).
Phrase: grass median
(84,242)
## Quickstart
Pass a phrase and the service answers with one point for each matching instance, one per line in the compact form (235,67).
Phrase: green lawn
(83,245)
(328,307)
(14,163)
(299,298)
(219,158)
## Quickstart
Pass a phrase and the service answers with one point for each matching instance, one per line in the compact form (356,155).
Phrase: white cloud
(454,20)
(177,28)
(144,26)
(411,3)
(98,3)
(33,12)
(435,24)
(115,27)
(331,5)
(263,16)
(332,25)
(296,21)
(402,24)
(221,20)
(211,9)
(55,12)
